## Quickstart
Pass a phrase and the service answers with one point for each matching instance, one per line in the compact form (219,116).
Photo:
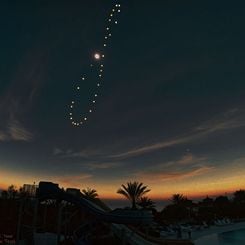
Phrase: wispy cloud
(231,119)
(102,165)
(15,131)
(160,176)
(226,121)
(60,152)
(3,136)
(189,159)
(75,180)
(18,133)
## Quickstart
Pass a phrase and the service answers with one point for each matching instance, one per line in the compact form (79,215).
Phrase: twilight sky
(171,111)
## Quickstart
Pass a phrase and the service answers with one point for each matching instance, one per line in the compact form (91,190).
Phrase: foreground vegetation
(180,208)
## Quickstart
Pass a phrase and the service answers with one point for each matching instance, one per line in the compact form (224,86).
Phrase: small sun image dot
(97,56)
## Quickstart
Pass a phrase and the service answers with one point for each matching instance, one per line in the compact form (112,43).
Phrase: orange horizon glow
(211,184)
(107,194)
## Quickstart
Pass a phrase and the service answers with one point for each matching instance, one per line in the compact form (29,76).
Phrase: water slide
(49,190)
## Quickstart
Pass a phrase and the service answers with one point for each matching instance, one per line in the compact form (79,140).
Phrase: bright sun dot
(97,56)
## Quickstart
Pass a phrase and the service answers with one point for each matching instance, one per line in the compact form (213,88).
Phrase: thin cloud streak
(203,130)
(156,176)
(75,180)
(229,120)
(15,132)
(105,165)
(18,133)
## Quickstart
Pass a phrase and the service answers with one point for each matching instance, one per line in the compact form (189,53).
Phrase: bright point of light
(97,56)
(115,22)
(78,88)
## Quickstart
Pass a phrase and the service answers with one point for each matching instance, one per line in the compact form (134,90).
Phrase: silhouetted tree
(178,199)
(146,203)
(89,193)
(239,196)
(12,191)
(207,201)
(4,194)
(174,212)
(133,192)
(222,206)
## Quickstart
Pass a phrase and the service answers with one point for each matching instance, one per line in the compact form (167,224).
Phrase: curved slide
(49,190)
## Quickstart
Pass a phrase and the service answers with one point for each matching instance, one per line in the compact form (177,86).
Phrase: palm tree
(4,194)
(146,203)
(89,193)
(12,191)
(133,192)
(239,196)
(178,199)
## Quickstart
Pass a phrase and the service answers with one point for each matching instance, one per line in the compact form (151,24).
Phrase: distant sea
(122,203)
